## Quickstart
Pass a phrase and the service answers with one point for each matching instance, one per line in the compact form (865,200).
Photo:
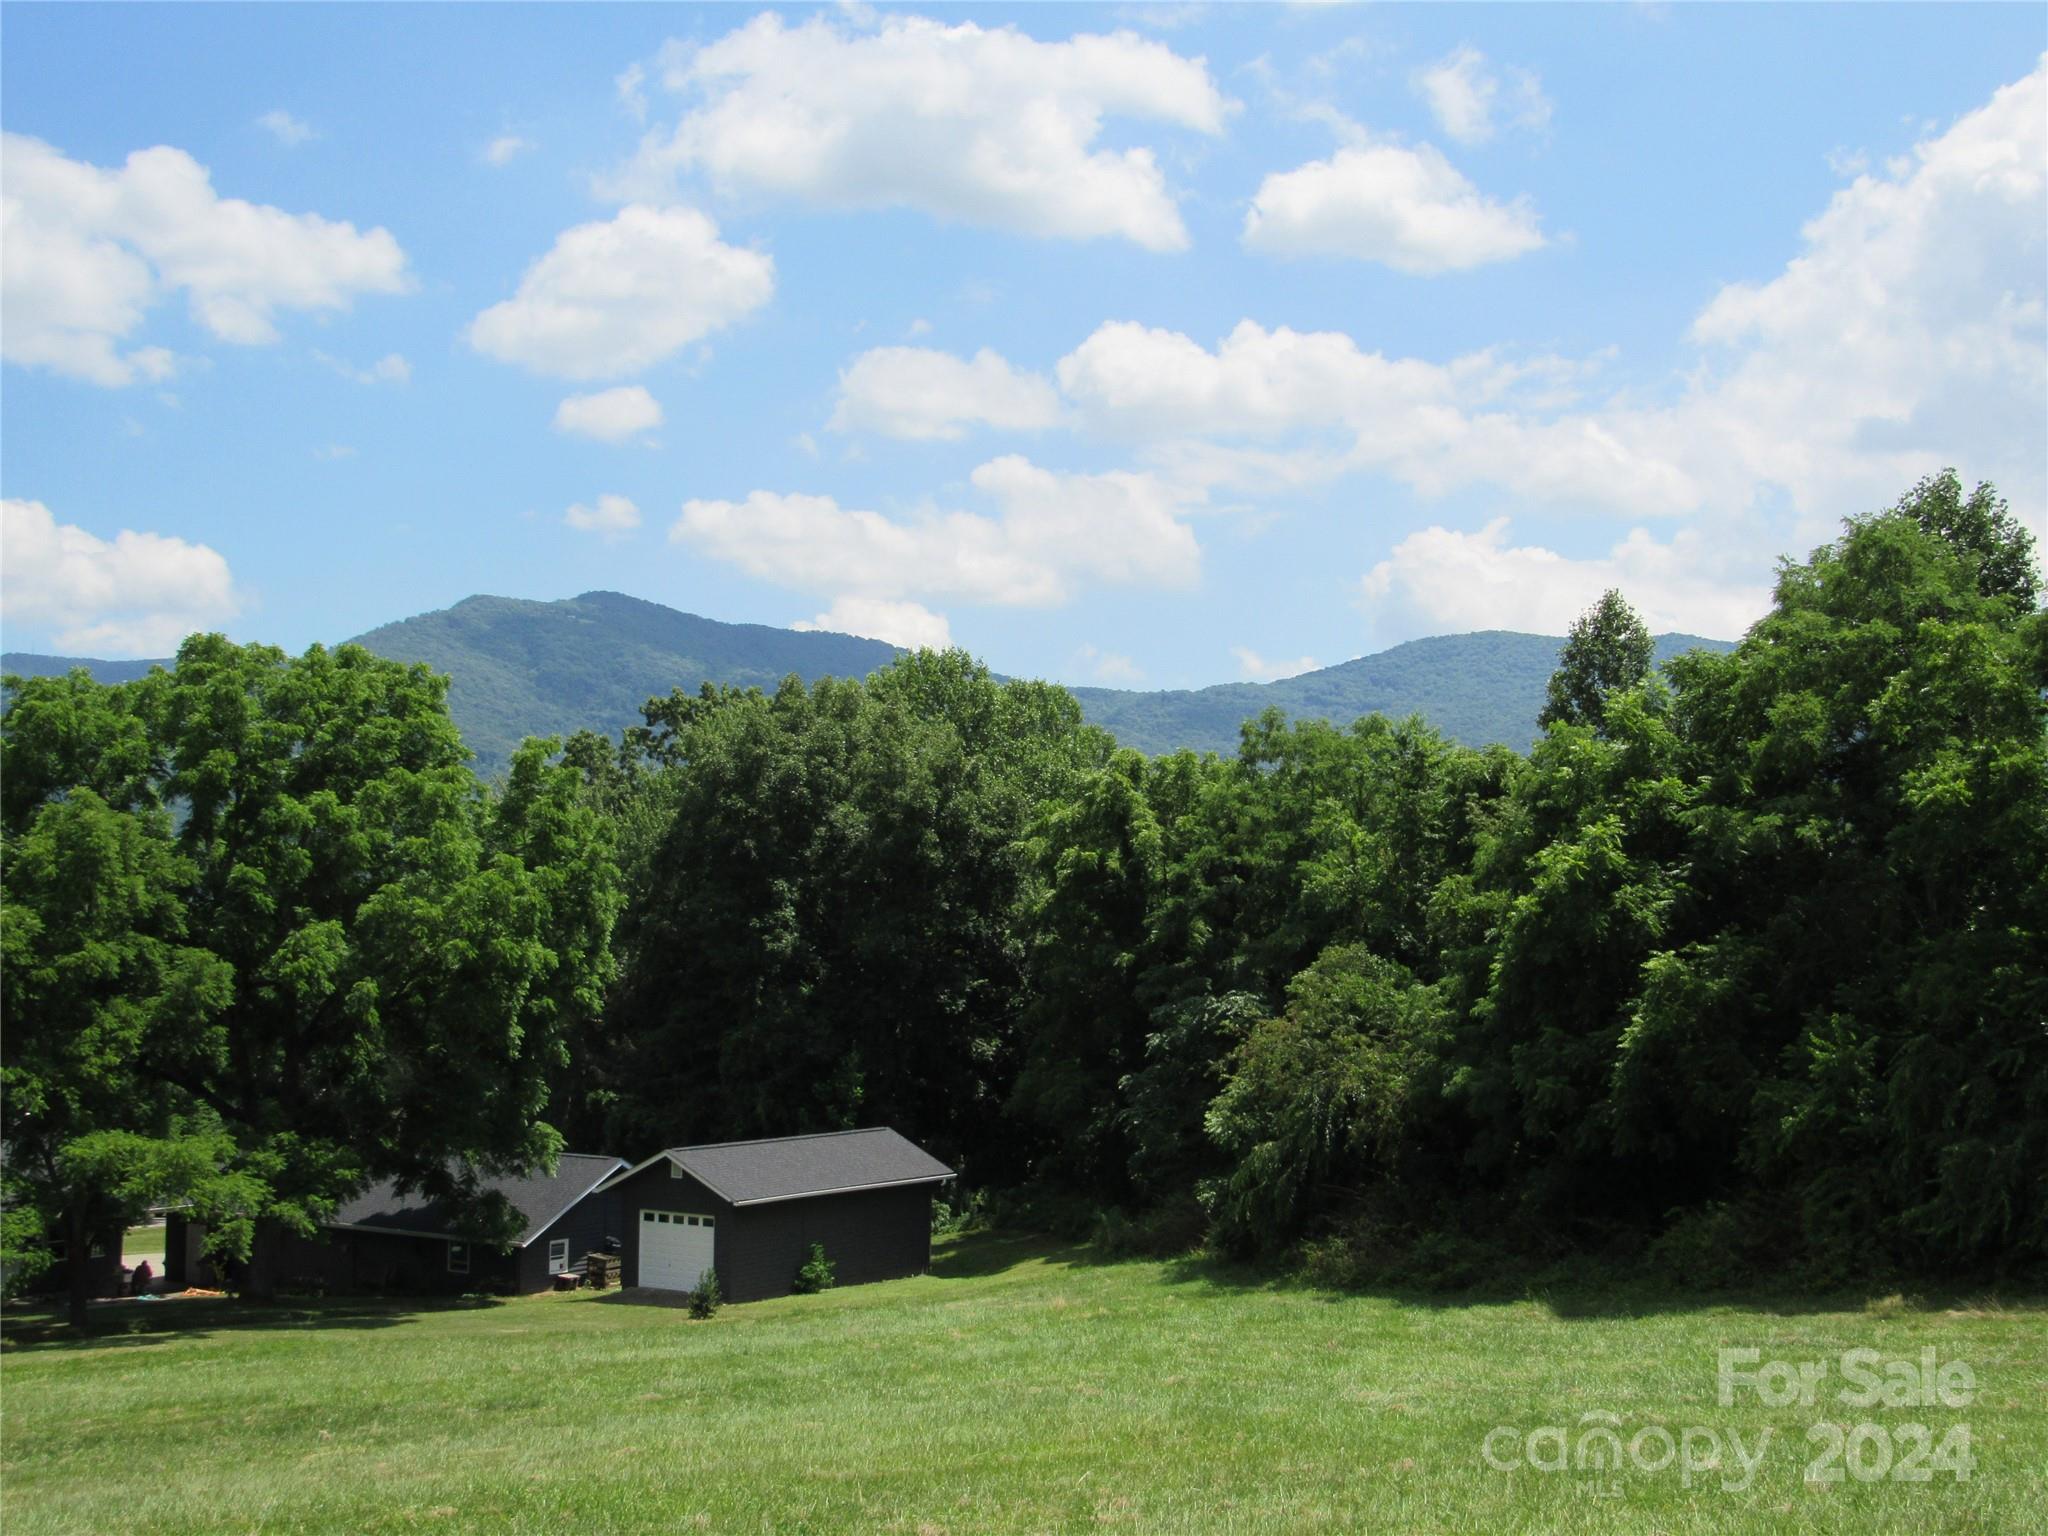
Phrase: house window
(458,1258)
(675,1170)
(558,1255)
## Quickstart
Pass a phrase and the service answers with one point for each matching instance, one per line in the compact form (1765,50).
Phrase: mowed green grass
(1019,1387)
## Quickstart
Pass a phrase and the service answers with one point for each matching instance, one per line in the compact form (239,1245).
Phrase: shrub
(1167,1231)
(953,1217)
(708,1297)
(815,1274)
(1705,1248)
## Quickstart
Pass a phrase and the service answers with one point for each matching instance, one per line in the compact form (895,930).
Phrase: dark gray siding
(655,1189)
(585,1225)
(345,1262)
(878,1234)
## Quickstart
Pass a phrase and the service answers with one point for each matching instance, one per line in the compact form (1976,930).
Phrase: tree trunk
(259,1275)
(78,1251)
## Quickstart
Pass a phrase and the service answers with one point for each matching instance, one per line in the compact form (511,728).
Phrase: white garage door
(675,1249)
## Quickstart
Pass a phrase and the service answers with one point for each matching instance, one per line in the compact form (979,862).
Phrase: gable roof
(540,1197)
(791,1167)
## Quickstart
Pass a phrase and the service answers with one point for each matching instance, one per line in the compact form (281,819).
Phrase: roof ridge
(763,1141)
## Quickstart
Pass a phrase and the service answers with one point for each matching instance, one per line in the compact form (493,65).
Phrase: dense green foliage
(266,938)
(1755,942)
(1744,959)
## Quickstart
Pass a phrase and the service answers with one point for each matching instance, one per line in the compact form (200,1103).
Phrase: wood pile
(601,1270)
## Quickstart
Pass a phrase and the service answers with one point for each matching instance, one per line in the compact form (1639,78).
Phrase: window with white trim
(458,1258)
(558,1255)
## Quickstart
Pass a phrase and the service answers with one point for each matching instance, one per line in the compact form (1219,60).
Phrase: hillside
(523,668)
(31,664)
(1477,688)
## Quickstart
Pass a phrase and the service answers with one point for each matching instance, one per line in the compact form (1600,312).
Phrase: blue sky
(1153,346)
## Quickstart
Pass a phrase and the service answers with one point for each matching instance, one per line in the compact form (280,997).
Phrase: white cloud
(1910,332)
(506,148)
(630,84)
(1336,409)
(1108,666)
(1409,209)
(391,368)
(1466,94)
(136,595)
(85,252)
(613,517)
(985,126)
(910,625)
(1260,669)
(912,392)
(285,128)
(1907,334)
(1457,581)
(610,415)
(613,299)
(1050,535)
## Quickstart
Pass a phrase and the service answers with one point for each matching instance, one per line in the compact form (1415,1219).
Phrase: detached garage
(752,1210)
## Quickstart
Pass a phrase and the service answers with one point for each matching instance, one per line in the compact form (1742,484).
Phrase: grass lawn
(144,1243)
(1019,1387)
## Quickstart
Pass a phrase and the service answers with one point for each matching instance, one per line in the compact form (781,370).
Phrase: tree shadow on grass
(1586,1292)
(643,1296)
(977,1255)
(140,1324)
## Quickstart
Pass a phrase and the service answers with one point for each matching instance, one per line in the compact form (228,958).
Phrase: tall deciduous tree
(373,964)
(1607,649)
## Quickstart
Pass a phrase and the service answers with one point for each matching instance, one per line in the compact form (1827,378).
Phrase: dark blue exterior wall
(757,1249)
(657,1188)
(585,1225)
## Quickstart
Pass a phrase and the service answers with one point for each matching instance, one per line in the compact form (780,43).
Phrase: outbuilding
(752,1210)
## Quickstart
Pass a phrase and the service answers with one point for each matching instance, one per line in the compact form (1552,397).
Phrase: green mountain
(29,664)
(521,668)
(1477,689)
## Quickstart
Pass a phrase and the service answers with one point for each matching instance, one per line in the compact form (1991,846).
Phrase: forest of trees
(1744,968)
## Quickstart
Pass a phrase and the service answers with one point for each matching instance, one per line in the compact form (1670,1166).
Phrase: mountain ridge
(523,667)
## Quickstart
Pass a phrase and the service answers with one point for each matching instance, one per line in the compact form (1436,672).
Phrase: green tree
(392,961)
(828,936)
(103,997)
(1316,1101)
(1607,649)
(1869,865)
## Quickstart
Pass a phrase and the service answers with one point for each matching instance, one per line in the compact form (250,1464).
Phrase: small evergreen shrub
(815,1274)
(708,1297)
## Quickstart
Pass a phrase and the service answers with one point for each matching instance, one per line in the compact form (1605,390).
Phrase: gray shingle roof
(750,1172)
(540,1198)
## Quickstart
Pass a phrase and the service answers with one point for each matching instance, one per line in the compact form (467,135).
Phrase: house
(384,1240)
(752,1209)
